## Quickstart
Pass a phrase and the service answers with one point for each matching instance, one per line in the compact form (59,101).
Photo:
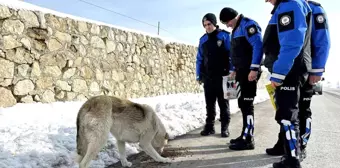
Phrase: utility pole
(158,27)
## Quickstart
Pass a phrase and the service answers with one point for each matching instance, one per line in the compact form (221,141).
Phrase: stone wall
(46,58)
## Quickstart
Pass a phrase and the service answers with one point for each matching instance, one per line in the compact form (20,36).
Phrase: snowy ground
(43,135)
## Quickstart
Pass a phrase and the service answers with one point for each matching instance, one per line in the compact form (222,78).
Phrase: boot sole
(270,154)
(278,165)
(274,154)
(225,136)
(207,134)
(248,147)
(233,142)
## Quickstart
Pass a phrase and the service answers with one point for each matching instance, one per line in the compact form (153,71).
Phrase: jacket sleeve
(199,61)
(253,35)
(227,46)
(320,42)
(292,27)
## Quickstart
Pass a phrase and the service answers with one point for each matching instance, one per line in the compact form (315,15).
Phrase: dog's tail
(92,132)
(81,149)
(79,157)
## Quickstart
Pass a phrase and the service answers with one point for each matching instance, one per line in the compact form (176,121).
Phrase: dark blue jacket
(320,39)
(286,42)
(246,44)
(213,56)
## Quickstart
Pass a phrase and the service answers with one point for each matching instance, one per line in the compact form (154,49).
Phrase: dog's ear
(166,136)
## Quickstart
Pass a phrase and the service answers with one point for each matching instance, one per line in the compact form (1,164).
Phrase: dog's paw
(126,164)
(165,160)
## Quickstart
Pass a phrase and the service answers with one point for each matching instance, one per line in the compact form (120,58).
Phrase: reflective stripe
(317,70)
(255,66)
(250,127)
(290,137)
(305,137)
(286,122)
(238,89)
(278,76)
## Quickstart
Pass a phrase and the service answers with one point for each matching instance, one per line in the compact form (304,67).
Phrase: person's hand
(314,79)
(232,74)
(275,84)
(252,75)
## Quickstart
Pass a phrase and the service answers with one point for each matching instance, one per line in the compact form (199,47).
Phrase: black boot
(225,133)
(208,129)
(247,144)
(292,148)
(225,129)
(232,141)
(278,149)
(287,163)
(303,154)
(236,139)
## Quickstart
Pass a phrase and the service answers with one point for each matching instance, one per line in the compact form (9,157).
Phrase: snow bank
(16,4)
(43,135)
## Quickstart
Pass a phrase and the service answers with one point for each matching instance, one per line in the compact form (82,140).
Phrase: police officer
(246,55)
(320,49)
(212,63)
(287,48)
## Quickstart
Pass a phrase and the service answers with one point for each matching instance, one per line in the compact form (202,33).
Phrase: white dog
(127,121)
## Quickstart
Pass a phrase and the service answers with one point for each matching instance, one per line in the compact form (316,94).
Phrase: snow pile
(16,4)
(44,135)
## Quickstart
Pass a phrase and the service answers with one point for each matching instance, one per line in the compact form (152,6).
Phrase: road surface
(192,150)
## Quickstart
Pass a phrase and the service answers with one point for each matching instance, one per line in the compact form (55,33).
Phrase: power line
(109,10)
(217,3)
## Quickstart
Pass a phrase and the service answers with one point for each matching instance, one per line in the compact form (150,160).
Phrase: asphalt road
(192,150)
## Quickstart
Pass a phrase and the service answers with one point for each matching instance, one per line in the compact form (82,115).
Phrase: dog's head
(160,141)
(161,138)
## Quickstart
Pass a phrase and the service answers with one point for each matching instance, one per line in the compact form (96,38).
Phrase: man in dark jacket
(287,46)
(212,64)
(320,41)
(246,56)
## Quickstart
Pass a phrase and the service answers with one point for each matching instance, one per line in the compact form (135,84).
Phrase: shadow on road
(196,150)
(142,160)
(251,161)
(193,136)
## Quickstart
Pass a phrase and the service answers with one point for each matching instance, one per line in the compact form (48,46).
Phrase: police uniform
(287,46)
(320,49)
(212,63)
(246,56)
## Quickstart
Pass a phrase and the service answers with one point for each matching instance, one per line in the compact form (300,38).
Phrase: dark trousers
(246,92)
(213,89)
(287,100)
(305,114)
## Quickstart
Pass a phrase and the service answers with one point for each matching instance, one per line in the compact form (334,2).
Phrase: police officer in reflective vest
(320,49)
(212,64)
(287,46)
(246,55)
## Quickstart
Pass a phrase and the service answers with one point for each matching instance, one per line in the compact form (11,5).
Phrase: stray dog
(127,121)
